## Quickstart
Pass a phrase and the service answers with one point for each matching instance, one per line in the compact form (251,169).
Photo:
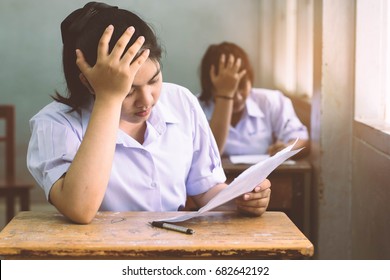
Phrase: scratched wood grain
(128,235)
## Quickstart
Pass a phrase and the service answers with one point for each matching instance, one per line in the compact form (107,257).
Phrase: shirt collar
(253,108)
(160,116)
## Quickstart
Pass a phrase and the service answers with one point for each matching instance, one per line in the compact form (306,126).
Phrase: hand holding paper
(244,183)
(256,202)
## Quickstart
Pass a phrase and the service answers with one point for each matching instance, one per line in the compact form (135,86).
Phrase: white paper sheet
(253,159)
(247,159)
(244,183)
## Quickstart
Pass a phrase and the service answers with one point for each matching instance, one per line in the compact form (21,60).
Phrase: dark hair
(82,29)
(211,57)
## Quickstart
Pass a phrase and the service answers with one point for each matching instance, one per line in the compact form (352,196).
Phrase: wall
(30,49)
(286,46)
(370,193)
(332,115)
(371,135)
(351,161)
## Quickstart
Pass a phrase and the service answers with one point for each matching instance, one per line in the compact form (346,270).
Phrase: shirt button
(153,184)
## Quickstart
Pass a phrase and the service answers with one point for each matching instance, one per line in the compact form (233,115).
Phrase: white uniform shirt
(178,157)
(268,115)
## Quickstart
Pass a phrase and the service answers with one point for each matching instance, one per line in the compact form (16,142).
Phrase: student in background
(243,119)
(122,140)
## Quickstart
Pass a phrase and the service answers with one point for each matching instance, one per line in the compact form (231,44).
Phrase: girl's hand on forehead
(113,74)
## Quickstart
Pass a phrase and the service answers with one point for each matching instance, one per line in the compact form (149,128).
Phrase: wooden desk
(127,235)
(291,184)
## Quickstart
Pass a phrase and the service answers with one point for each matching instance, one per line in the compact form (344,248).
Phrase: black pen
(172,227)
(286,124)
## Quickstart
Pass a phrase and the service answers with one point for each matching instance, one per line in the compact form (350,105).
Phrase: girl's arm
(225,86)
(79,193)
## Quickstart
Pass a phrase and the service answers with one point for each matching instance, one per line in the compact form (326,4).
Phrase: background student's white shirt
(268,115)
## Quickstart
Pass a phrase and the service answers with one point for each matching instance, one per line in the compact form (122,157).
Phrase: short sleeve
(206,168)
(51,150)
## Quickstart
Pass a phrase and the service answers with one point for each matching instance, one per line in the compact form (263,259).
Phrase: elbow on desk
(77,210)
(82,220)
(80,216)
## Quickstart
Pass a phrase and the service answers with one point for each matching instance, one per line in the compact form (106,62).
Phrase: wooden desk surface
(298,166)
(128,235)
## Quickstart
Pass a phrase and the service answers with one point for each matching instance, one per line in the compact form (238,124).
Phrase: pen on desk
(172,227)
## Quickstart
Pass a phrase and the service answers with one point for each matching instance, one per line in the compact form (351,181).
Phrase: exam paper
(247,159)
(244,183)
(253,159)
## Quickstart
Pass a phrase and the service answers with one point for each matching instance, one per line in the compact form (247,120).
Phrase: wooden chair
(10,187)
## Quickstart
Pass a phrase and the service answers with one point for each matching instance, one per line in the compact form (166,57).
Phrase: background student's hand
(256,202)
(301,143)
(276,147)
(226,81)
(113,75)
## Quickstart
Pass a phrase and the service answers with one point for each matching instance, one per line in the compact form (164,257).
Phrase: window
(286,45)
(372,80)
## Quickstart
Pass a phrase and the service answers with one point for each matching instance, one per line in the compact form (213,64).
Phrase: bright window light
(372,80)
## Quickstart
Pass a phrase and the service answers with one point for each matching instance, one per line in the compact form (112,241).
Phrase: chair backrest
(7,115)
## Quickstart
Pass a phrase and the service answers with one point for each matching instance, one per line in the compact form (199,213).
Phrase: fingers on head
(212,72)
(134,50)
(123,41)
(81,62)
(141,59)
(230,62)
(105,40)
(238,63)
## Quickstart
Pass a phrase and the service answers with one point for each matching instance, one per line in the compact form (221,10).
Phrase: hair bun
(74,24)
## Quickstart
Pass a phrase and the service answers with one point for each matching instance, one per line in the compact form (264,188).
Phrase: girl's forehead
(147,72)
